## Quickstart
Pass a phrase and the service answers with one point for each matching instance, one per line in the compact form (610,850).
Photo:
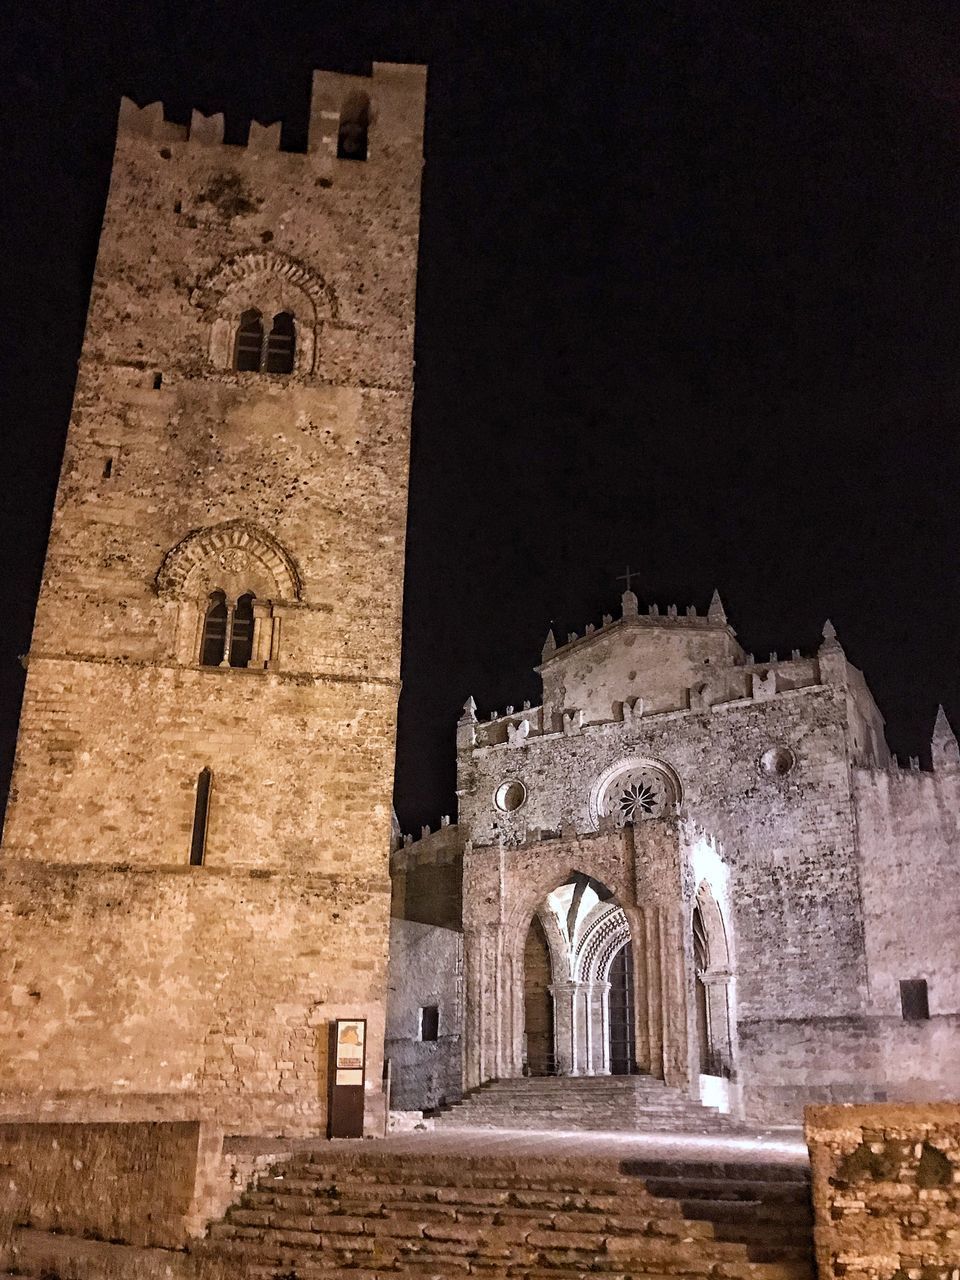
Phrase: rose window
(638,794)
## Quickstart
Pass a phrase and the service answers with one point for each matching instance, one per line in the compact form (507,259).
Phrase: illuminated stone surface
(134,984)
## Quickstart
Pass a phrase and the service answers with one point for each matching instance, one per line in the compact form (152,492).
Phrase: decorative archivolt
(269,284)
(603,936)
(234,273)
(234,557)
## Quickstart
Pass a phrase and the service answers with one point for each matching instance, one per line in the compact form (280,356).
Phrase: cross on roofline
(625,577)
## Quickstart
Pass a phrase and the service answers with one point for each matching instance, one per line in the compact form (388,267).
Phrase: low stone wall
(143,1184)
(886,1190)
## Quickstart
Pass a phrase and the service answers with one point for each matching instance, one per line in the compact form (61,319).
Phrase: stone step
(617,1104)
(501,1244)
(360,1213)
(751,1170)
(692,1187)
(793,1215)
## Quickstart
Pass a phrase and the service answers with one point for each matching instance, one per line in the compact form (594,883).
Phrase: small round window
(776,762)
(510,796)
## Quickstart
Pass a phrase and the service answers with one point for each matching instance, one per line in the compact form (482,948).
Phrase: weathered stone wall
(182,476)
(131,1182)
(275,800)
(909,824)
(195,992)
(426,968)
(427,878)
(886,1190)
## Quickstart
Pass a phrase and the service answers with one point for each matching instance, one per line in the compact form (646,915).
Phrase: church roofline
(652,618)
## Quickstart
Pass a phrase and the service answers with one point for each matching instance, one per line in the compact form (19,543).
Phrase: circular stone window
(642,792)
(776,762)
(510,796)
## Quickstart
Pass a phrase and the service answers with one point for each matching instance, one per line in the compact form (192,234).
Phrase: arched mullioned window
(227,639)
(248,348)
(256,351)
(354,123)
(214,642)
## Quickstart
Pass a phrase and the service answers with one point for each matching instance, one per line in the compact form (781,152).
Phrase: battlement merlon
(393,98)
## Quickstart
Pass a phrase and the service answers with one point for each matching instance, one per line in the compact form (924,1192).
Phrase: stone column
(227,636)
(674,1001)
(654,994)
(604,1003)
(588,1064)
(564,994)
(472,1028)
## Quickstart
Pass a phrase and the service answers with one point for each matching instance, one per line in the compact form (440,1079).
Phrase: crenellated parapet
(640,669)
(754,681)
(349,115)
(429,847)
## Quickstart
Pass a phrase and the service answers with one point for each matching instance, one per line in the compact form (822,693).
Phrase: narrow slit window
(214,631)
(108,469)
(914,1000)
(157,381)
(354,123)
(201,812)
(249,344)
(430,1022)
(279,355)
(241,639)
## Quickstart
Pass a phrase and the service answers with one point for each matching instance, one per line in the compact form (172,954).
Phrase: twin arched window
(227,639)
(257,351)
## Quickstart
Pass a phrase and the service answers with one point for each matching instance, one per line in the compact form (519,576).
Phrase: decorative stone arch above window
(237,561)
(235,549)
(272,284)
(633,789)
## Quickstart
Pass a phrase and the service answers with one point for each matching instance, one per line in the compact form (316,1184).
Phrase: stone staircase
(369,1216)
(361,1214)
(618,1104)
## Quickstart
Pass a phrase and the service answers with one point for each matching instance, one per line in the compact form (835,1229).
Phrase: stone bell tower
(195,850)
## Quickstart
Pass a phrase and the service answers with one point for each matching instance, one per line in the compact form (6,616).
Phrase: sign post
(348,1065)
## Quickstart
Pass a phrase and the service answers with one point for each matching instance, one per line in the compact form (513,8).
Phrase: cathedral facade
(194,879)
(688,863)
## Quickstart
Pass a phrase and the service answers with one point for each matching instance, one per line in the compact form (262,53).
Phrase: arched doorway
(712,975)
(578,993)
(539,1053)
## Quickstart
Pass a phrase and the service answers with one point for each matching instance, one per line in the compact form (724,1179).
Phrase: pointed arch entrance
(579,938)
(712,974)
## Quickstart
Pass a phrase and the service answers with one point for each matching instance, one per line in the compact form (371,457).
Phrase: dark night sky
(689,297)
